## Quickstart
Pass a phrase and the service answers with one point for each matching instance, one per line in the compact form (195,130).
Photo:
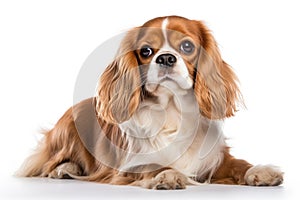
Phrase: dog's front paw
(264,175)
(169,180)
(65,171)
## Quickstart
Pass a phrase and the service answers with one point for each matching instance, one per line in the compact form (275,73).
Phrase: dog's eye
(187,47)
(146,51)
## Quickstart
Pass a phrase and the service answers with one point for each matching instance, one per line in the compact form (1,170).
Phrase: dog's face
(166,54)
(173,52)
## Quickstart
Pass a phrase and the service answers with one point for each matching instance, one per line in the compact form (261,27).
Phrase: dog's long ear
(216,88)
(119,88)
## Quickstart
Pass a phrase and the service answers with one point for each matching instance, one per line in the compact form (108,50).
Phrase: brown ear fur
(120,86)
(216,88)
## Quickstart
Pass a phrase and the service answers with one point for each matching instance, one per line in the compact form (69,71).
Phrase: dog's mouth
(165,72)
(172,81)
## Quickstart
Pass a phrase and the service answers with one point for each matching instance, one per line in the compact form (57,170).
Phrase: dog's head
(167,50)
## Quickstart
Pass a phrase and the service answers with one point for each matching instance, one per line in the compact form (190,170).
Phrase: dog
(156,119)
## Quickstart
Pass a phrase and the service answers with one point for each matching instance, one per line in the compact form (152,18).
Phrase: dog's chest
(163,131)
(158,123)
(171,132)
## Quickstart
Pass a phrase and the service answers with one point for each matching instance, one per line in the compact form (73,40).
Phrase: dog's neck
(184,100)
(158,121)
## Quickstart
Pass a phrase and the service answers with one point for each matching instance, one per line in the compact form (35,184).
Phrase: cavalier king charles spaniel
(156,119)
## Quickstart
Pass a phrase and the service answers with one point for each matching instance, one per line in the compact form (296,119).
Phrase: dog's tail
(34,164)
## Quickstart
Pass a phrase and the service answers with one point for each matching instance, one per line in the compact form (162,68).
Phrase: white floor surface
(39,188)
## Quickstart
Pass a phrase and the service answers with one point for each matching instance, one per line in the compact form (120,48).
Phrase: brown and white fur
(156,120)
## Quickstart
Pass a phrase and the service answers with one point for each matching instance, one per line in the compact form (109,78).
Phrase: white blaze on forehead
(166,46)
(164,29)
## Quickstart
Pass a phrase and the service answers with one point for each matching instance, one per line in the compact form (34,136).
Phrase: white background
(43,45)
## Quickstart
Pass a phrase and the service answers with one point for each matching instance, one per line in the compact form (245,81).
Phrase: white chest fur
(169,131)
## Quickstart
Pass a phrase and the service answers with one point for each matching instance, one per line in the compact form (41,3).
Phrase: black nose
(166,60)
